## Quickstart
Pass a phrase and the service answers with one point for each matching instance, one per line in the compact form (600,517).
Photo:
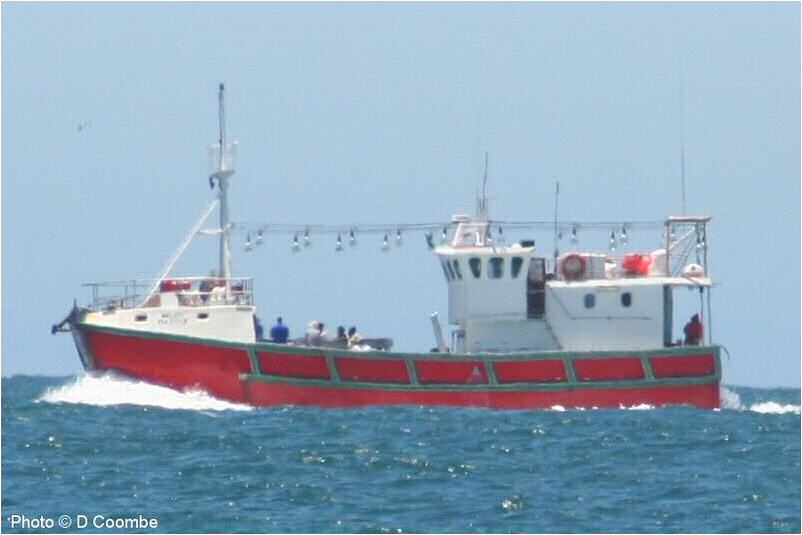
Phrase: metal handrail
(129,293)
(147,281)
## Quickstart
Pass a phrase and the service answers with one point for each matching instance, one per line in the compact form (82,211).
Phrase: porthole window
(476,267)
(141,317)
(590,300)
(496,267)
(626,299)
(515,266)
(457,270)
(203,316)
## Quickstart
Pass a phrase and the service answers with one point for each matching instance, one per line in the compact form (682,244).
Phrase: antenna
(556,207)
(222,121)
(682,145)
(482,201)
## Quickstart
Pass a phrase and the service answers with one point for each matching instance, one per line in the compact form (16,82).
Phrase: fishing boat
(579,329)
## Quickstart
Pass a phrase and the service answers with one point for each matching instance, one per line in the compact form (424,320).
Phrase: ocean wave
(771,407)
(731,400)
(109,389)
(641,407)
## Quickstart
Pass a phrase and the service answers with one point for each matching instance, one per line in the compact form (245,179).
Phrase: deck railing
(188,291)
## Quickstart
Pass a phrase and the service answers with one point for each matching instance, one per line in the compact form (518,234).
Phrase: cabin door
(536,288)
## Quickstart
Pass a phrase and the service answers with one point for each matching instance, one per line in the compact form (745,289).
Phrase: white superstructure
(217,306)
(502,299)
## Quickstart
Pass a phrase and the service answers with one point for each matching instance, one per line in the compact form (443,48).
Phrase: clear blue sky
(381,113)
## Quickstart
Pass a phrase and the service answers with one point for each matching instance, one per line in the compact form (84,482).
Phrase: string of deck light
(302,233)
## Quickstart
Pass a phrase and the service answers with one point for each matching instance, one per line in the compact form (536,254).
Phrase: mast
(223,171)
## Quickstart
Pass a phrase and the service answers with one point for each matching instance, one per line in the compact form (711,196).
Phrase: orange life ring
(573,267)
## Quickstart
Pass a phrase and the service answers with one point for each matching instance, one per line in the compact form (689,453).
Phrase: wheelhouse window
(445,271)
(590,300)
(626,299)
(457,270)
(451,274)
(496,268)
(476,267)
(515,266)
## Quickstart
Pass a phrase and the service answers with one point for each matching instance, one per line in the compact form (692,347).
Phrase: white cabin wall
(457,302)
(471,298)
(227,322)
(508,336)
(608,325)
(492,298)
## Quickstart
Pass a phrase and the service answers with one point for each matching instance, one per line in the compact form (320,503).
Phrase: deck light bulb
(248,245)
(307,240)
(339,246)
(295,245)
(444,235)
(259,237)
(612,240)
(386,243)
(624,237)
(574,239)
(352,238)
(398,237)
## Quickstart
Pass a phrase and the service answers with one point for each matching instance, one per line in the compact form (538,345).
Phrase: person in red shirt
(694,332)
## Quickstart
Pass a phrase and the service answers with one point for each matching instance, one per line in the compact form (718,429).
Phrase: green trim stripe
(285,348)
(254,361)
(491,372)
(505,387)
(409,358)
(570,372)
(334,373)
(647,366)
(412,371)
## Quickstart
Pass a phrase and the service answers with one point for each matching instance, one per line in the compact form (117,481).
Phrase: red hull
(265,374)
(703,396)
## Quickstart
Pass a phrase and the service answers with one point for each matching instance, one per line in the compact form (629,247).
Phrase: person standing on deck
(279,332)
(313,334)
(354,338)
(694,332)
(341,336)
(258,330)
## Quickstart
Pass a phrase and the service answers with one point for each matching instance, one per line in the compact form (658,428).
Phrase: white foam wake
(641,407)
(770,407)
(732,401)
(109,389)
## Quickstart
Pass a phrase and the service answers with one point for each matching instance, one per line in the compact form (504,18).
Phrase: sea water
(102,453)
